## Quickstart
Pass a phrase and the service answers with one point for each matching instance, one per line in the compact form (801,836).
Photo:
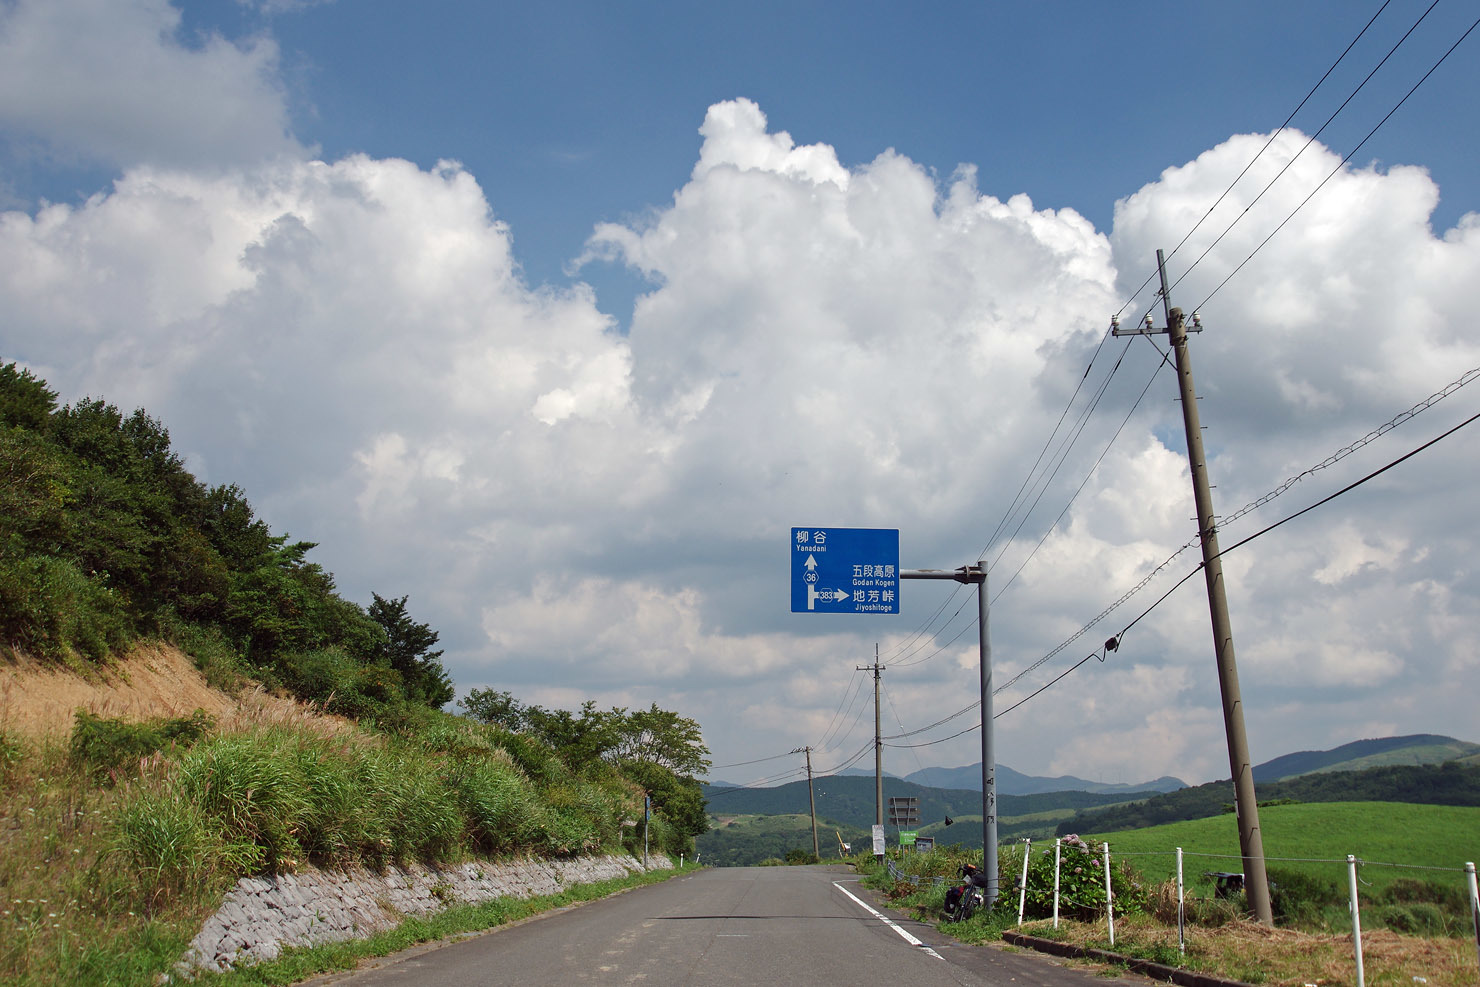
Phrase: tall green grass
(117,845)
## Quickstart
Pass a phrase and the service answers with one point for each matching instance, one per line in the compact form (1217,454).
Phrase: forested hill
(1451,783)
(1422,748)
(851,799)
(106,538)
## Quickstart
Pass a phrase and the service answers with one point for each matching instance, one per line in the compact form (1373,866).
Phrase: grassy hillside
(1423,748)
(1314,839)
(745,840)
(1452,783)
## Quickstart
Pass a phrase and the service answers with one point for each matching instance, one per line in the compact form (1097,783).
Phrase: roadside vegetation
(117,841)
(1416,920)
(116,845)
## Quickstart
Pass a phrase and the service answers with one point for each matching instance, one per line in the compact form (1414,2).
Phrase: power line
(1341,164)
(1196,226)
(1117,639)
(826,734)
(1084,417)
(1309,141)
(1261,532)
(1335,457)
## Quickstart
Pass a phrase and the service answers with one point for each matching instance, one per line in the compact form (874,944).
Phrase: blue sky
(578,435)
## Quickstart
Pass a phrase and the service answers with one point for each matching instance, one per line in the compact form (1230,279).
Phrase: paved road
(733,925)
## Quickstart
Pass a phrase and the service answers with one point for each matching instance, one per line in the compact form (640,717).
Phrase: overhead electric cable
(1341,164)
(1263,531)
(1335,457)
(1276,134)
(1311,140)
(841,737)
(853,689)
(1282,127)
(1080,489)
(1381,430)
(741,764)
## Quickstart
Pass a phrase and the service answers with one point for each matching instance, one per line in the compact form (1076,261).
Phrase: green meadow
(1392,840)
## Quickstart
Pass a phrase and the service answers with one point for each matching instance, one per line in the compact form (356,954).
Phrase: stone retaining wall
(263,915)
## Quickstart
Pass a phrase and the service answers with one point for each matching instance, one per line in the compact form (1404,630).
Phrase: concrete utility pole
(878,741)
(1251,843)
(811,799)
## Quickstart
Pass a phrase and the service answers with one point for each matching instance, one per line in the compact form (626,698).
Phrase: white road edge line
(887,921)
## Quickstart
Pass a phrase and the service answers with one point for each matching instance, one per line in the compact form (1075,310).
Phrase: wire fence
(1227,884)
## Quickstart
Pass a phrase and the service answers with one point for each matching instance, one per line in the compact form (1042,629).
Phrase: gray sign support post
(977,574)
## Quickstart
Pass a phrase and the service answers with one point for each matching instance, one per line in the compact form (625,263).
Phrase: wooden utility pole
(876,668)
(1251,843)
(811,800)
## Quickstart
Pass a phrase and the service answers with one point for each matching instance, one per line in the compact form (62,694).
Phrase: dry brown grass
(1247,951)
(39,701)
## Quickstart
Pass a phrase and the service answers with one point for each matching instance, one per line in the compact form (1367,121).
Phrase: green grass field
(1426,842)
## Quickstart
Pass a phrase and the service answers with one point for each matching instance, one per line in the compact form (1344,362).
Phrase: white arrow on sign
(827,595)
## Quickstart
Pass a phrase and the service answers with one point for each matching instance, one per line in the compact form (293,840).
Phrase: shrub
(1420,918)
(172,843)
(1298,898)
(498,802)
(49,608)
(535,758)
(253,786)
(318,675)
(105,747)
(1081,882)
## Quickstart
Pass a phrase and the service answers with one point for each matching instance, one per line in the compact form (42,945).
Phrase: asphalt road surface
(731,925)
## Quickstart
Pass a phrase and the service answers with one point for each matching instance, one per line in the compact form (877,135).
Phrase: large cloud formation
(588,513)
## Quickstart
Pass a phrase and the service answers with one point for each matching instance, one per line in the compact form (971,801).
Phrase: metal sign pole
(977,574)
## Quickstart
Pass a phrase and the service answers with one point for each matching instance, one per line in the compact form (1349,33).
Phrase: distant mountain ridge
(1010,782)
(851,799)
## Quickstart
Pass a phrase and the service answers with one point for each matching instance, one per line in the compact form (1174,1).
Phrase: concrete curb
(1157,971)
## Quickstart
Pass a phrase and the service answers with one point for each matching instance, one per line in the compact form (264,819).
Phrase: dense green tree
(25,400)
(408,649)
(679,799)
(494,707)
(661,737)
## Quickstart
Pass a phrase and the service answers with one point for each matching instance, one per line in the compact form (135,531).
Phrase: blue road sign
(845,570)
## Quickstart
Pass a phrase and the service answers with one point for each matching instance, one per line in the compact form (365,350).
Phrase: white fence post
(1474,902)
(1181,925)
(1023,892)
(1109,902)
(1058,847)
(1351,870)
